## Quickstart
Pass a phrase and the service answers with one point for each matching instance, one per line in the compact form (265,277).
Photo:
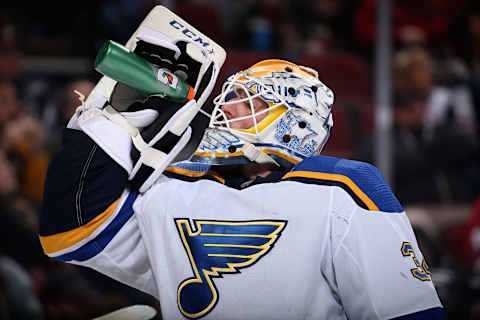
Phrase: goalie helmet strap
(256,155)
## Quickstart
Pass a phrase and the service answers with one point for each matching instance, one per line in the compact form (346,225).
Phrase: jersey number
(423,270)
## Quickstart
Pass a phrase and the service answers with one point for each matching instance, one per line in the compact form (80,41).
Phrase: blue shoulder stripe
(429,314)
(361,180)
(96,245)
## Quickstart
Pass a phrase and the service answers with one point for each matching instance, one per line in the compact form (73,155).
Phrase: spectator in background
(414,73)
(23,137)
(465,37)
(449,129)
(433,136)
(23,165)
(426,171)
(257,26)
(413,180)
(428,20)
(325,24)
(451,95)
(19,249)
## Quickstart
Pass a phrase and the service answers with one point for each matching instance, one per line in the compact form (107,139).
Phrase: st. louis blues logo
(218,247)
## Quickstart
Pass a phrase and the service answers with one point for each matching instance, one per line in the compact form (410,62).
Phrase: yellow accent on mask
(271,116)
(266,67)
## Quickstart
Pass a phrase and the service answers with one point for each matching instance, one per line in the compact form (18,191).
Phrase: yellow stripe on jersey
(335,177)
(240,153)
(60,241)
(195,174)
(281,155)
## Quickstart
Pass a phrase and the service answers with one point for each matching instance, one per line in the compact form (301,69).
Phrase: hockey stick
(135,312)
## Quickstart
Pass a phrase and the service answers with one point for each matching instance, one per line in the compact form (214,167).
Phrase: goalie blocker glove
(170,132)
(146,138)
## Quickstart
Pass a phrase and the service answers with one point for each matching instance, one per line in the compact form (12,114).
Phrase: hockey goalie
(256,224)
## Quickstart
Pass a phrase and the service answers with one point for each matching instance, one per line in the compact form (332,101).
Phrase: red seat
(349,76)
(340,142)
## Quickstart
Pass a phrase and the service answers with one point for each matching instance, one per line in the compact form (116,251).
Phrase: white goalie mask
(292,123)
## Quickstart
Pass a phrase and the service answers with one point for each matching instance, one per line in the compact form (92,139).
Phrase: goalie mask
(285,117)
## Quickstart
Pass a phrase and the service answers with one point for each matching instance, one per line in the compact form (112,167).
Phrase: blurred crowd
(436,121)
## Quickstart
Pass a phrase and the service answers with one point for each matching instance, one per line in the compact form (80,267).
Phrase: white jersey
(327,240)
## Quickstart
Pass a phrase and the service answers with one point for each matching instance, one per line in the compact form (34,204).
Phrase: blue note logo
(218,247)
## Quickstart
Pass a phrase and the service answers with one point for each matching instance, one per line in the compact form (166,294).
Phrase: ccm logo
(189,33)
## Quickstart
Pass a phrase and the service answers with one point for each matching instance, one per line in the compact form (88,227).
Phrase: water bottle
(117,62)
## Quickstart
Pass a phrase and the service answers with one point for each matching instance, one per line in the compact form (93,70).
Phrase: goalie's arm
(76,185)
(86,179)
(87,216)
